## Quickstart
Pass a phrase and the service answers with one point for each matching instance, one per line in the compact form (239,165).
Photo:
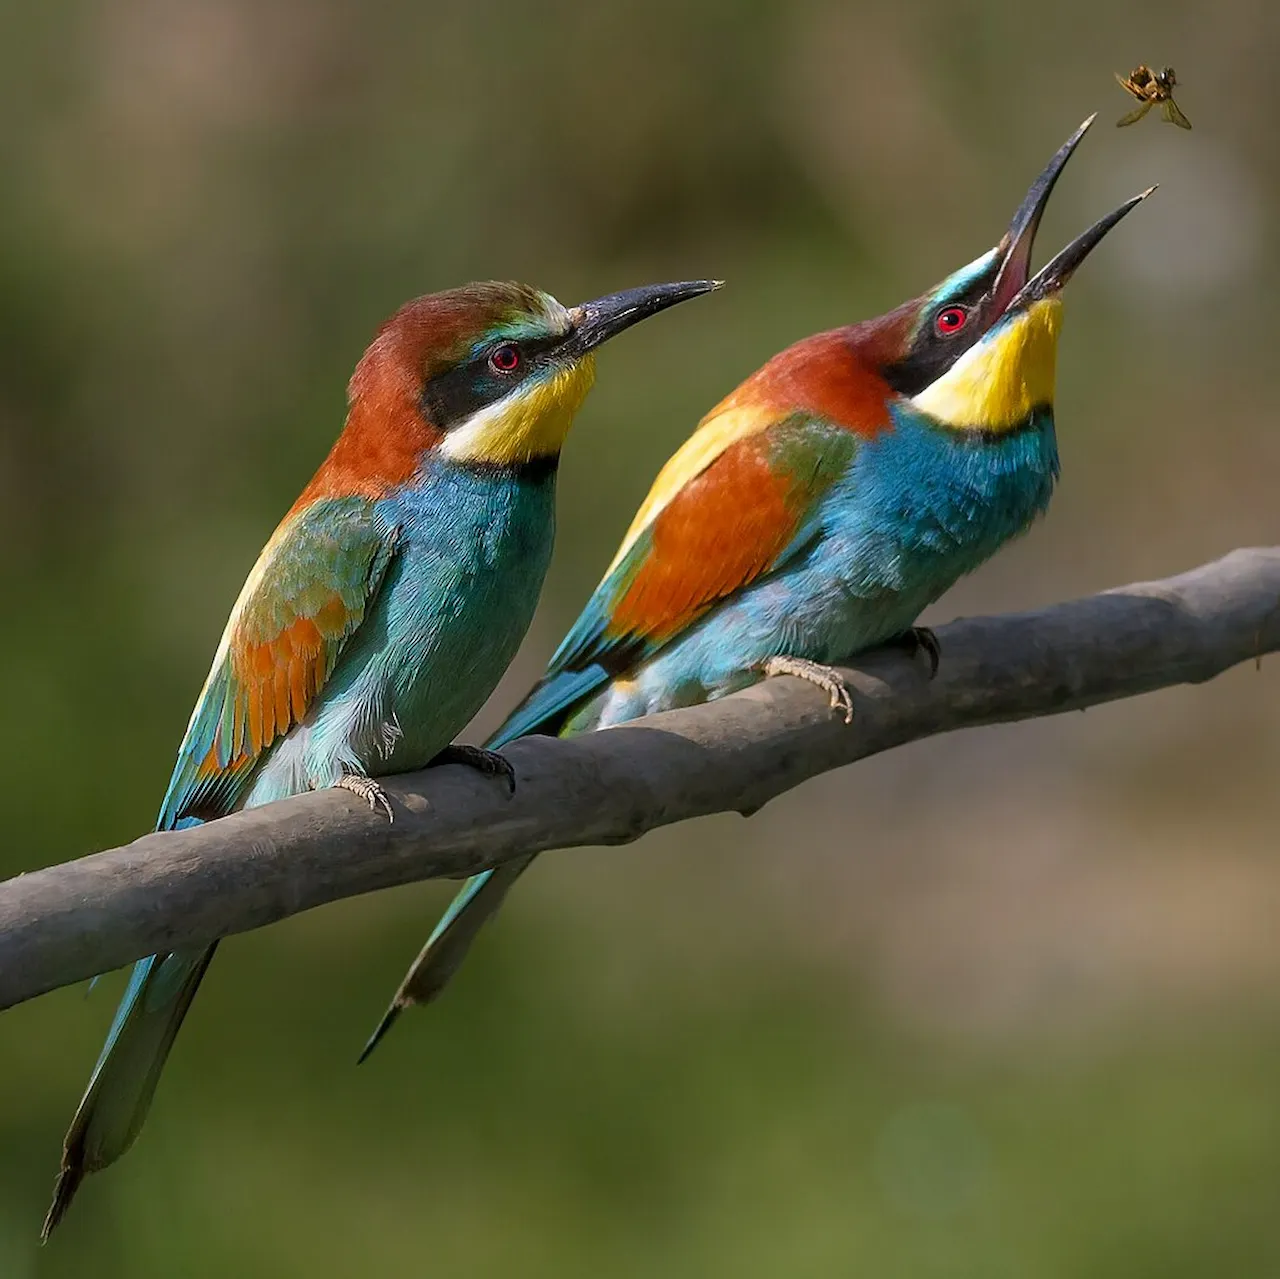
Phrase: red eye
(950,320)
(505,358)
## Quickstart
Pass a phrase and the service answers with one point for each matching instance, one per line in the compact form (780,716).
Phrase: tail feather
(543,711)
(124,1079)
(476,903)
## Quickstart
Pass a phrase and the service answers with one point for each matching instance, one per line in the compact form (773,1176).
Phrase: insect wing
(1173,113)
(1135,115)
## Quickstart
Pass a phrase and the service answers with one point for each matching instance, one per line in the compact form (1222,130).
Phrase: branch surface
(186,888)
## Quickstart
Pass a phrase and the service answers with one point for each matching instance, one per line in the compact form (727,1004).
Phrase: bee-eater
(381,613)
(812,514)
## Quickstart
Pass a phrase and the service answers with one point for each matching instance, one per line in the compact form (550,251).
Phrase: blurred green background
(997,1005)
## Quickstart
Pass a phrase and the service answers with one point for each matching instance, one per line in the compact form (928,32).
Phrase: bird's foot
(490,763)
(920,639)
(368,790)
(825,677)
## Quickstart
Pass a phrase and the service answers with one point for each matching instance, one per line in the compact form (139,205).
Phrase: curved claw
(825,677)
(368,790)
(918,639)
(490,763)
(927,640)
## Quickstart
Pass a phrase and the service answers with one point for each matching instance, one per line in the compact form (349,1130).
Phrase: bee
(1150,87)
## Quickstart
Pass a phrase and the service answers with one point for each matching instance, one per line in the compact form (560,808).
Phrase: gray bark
(187,888)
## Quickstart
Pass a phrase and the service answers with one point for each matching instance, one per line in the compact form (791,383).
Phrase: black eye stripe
(531,349)
(936,348)
(452,397)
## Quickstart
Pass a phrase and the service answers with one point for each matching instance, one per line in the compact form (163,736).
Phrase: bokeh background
(1003,1004)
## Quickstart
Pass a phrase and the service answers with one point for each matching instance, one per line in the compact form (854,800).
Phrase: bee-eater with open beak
(814,513)
(382,612)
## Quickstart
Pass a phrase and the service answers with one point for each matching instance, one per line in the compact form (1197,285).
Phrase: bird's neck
(382,446)
(531,473)
(977,489)
(1004,382)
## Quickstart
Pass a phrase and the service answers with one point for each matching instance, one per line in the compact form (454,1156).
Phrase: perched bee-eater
(814,513)
(382,612)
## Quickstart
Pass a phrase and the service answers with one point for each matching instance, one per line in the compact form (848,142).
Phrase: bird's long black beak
(1052,276)
(1020,238)
(606,317)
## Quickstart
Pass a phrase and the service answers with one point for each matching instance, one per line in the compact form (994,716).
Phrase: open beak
(606,317)
(1020,238)
(1015,286)
(1051,277)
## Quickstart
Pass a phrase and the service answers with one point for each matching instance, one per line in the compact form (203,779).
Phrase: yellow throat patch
(997,385)
(528,424)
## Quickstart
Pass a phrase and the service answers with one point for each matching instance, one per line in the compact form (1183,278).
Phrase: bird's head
(979,351)
(487,375)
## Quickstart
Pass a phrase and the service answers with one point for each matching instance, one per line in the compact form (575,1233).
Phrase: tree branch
(186,888)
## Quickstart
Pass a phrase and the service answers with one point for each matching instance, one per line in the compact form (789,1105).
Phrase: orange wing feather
(733,499)
(306,596)
(720,532)
(735,520)
(729,522)
(736,502)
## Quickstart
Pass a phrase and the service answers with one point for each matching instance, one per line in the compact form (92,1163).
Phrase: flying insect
(1151,88)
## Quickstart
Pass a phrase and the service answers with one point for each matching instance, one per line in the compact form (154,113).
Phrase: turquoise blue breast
(472,554)
(920,506)
(922,502)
